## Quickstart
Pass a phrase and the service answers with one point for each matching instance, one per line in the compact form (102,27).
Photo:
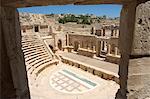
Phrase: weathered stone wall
(14,83)
(141,42)
(85,41)
(60,36)
(50,42)
(139,65)
(134,46)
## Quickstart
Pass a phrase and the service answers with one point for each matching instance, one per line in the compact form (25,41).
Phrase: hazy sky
(99,10)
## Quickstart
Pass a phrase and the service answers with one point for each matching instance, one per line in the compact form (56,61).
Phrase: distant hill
(31,18)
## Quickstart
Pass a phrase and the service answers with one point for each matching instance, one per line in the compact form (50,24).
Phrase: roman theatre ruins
(43,56)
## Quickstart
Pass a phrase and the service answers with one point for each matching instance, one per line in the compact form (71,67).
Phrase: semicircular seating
(36,54)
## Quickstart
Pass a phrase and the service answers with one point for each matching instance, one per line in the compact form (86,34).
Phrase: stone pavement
(44,89)
(91,61)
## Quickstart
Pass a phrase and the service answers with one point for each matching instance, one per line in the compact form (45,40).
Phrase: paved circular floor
(68,81)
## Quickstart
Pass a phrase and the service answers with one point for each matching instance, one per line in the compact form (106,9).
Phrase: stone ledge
(107,75)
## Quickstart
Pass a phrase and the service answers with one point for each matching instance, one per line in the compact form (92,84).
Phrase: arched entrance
(59,44)
(36,28)
(76,46)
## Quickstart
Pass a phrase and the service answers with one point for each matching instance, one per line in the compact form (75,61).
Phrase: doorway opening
(36,28)
(59,44)
(76,46)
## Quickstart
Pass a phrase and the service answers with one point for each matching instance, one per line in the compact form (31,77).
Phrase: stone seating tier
(39,60)
(28,50)
(37,65)
(31,62)
(36,62)
(30,58)
(32,46)
(35,53)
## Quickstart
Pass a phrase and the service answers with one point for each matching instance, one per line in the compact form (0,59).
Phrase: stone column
(105,45)
(116,51)
(67,39)
(127,22)
(98,47)
(134,68)
(109,49)
(79,46)
(13,71)
(94,49)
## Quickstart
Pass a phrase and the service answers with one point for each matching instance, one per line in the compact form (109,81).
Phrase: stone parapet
(108,75)
(112,58)
(86,52)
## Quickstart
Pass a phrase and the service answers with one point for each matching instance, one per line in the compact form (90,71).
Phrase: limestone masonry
(44,59)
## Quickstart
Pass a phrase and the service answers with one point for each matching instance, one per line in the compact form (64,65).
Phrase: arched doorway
(59,44)
(36,28)
(76,46)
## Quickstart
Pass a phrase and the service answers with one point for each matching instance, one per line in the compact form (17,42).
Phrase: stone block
(83,67)
(90,70)
(138,77)
(141,41)
(98,73)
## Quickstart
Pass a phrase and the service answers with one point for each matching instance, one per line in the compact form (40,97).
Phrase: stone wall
(14,83)
(86,52)
(91,69)
(134,46)
(138,84)
(59,36)
(85,41)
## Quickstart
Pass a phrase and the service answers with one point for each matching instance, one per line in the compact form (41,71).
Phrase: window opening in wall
(70,53)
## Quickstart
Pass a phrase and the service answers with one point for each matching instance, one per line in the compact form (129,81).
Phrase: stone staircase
(37,55)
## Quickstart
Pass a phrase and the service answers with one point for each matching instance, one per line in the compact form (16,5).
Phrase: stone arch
(59,44)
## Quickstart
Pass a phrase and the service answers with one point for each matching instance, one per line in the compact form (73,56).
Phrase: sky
(98,10)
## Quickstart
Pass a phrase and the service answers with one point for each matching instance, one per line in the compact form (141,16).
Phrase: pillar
(67,39)
(109,49)
(94,49)
(127,20)
(116,51)
(13,78)
(79,46)
(98,47)
(134,45)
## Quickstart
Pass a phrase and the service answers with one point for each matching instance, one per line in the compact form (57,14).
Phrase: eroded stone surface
(139,78)
(141,42)
(13,78)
